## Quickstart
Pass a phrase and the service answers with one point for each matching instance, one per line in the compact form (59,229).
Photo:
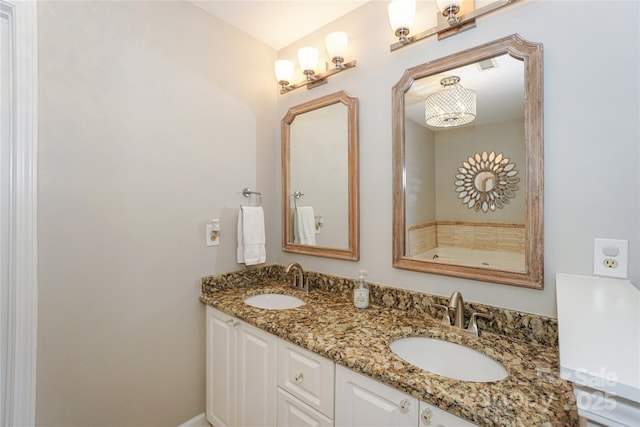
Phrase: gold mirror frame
(352,252)
(531,55)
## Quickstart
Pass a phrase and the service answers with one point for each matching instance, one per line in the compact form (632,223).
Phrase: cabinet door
(256,377)
(220,368)
(294,413)
(433,416)
(363,402)
(307,376)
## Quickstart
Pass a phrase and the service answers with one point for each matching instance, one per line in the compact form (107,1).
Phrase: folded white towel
(305,225)
(251,236)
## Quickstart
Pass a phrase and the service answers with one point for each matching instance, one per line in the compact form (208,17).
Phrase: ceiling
(278,23)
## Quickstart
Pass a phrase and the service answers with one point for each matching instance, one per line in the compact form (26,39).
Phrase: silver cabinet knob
(425,416)
(298,378)
(235,325)
(228,322)
(405,405)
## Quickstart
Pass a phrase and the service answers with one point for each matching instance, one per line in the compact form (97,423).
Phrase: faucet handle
(446,319)
(472,329)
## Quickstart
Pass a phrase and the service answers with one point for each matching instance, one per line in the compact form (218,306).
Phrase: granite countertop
(329,324)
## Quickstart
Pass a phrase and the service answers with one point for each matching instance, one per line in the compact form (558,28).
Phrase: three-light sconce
(336,44)
(454,17)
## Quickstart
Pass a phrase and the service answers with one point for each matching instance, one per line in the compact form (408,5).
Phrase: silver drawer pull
(426,415)
(298,378)
(405,405)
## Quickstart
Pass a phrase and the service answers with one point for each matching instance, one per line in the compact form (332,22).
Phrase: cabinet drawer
(293,413)
(307,376)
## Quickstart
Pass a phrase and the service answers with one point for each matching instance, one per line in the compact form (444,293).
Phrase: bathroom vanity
(329,363)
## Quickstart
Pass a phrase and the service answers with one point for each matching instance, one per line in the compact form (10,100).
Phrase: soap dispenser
(361,292)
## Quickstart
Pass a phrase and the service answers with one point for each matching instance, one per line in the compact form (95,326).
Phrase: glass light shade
(336,44)
(451,106)
(443,4)
(284,70)
(308,58)
(401,13)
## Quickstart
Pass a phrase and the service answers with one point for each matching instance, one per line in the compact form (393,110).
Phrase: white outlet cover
(602,247)
(207,236)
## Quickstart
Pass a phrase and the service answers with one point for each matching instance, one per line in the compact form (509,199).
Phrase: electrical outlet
(212,236)
(610,258)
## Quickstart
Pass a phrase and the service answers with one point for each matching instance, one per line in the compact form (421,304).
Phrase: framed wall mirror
(468,165)
(320,202)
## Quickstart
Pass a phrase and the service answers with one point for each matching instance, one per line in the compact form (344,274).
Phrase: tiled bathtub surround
(470,235)
(329,324)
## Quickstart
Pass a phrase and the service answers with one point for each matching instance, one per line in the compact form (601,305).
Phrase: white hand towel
(305,225)
(251,236)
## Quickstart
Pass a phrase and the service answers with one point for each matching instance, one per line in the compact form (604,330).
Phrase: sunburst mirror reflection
(486,181)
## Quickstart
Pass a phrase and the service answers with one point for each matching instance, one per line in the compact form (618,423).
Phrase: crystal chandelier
(451,106)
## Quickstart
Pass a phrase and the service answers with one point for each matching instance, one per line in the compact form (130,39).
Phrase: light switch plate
(610,258)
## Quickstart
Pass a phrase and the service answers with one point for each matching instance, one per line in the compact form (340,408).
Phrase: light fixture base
(460,28)
(317,82)
(319,79)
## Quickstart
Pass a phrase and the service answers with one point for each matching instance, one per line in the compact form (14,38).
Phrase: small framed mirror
(320,209)
(468,165)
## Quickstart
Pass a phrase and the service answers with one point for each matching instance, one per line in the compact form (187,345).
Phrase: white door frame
(19,393)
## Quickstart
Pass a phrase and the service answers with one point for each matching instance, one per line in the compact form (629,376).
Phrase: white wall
(420,157)
(591,135)
(153,117)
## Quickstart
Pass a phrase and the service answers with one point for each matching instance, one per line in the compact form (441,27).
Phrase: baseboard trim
(197,421)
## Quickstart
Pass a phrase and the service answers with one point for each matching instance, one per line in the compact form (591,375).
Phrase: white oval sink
(273,301)
(448,359)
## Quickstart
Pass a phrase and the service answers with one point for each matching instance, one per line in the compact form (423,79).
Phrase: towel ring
(296,195)
(246,192)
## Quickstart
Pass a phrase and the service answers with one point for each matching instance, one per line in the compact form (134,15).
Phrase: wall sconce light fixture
(450,9)
(336,45)
(455,21)
(401,16)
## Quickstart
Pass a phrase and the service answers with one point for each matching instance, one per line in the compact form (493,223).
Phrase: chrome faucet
(456,308)
(298,279)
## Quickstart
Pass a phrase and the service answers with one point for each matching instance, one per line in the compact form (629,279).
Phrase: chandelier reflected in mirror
(451,106)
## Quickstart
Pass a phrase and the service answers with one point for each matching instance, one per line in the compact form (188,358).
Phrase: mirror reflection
(319,149)
(464,129)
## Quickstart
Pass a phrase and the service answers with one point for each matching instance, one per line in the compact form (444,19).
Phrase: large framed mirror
(320,179)
(468,165)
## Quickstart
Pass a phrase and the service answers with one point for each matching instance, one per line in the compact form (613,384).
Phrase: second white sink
(448,359)
(274,301)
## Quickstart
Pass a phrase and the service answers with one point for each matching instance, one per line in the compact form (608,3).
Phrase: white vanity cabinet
(433,416)
(241,372)
(257,379)
(362,401)
(305,387)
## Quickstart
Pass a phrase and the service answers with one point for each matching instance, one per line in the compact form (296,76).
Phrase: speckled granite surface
(329,324)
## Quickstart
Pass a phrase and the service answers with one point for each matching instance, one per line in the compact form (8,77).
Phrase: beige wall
(153,117)
(591,133)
